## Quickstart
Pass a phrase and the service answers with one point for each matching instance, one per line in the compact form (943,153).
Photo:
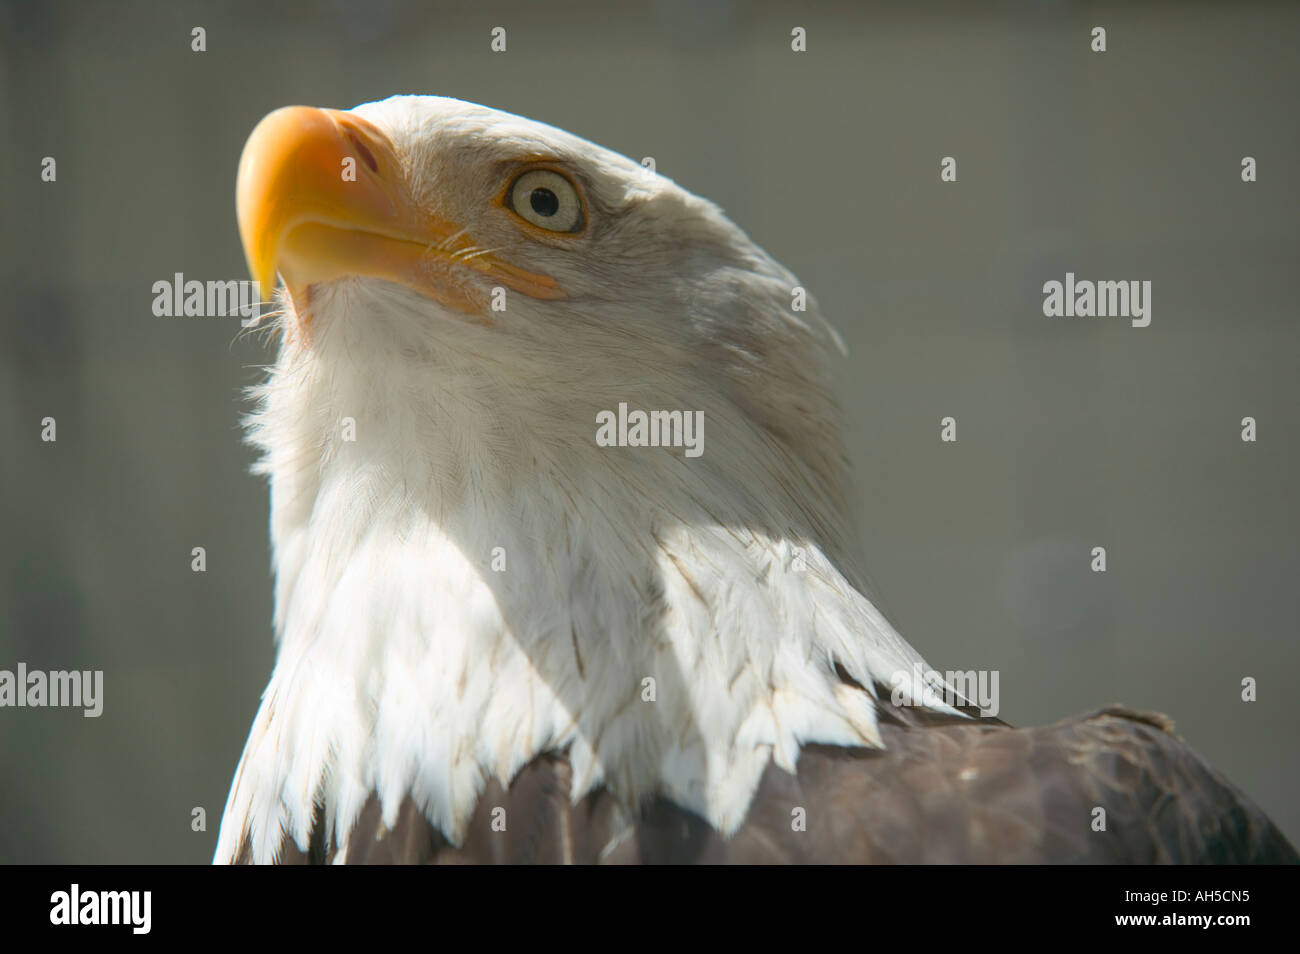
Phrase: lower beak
(321,196)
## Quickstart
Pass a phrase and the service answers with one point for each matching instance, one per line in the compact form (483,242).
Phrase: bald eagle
(504,638)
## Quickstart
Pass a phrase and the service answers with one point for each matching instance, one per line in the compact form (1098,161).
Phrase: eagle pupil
(544,202)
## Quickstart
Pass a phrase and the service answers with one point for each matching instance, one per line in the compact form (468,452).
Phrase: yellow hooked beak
(321,196)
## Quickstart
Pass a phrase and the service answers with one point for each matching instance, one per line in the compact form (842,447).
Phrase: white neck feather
(672,623)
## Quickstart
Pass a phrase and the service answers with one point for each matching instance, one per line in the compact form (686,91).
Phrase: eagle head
(481,553)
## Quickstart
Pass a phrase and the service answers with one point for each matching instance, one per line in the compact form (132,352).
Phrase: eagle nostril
(367,156)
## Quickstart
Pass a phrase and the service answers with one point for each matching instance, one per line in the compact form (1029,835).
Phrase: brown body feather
(942,791)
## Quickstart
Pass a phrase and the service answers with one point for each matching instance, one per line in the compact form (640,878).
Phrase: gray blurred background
(1072,433)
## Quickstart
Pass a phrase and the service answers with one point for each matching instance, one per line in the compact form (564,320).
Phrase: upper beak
(321,195)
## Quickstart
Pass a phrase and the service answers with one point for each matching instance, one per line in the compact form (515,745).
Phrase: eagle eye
(548,200)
